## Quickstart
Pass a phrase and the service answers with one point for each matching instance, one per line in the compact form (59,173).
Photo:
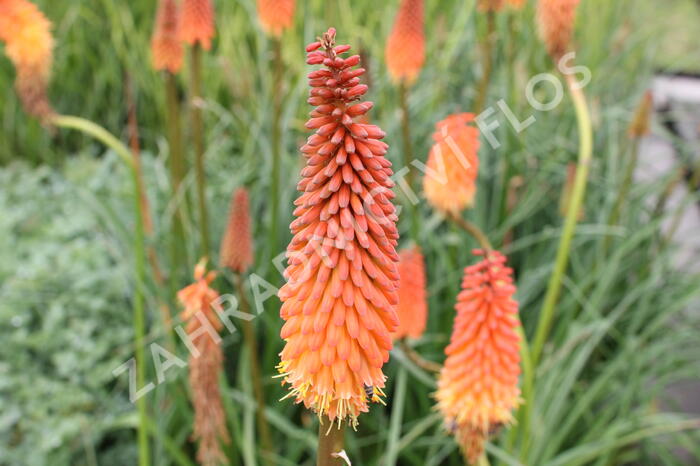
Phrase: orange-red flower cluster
(556,25)
(340,297)
(478,385)
(413,306)
(276,16)
(166,47)
(237,245)
(199,301)
(29,44)
(405,48)
(450,180)
(197,22)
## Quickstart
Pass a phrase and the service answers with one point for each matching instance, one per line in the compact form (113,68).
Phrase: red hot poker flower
(276,16)
(555,20)
(166,47)
(413,307)
(237,244)
(478,385)
(405,48)
(197,22)
(340,297)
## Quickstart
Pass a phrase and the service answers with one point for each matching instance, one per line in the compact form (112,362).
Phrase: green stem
(276,145)
(127,157)
(258,391)
(408,154)
(177,175)
(487,49)
(396,418)
(624,189)
(473,230)
(198,141)
(577,197)
(330,440)
(417,359)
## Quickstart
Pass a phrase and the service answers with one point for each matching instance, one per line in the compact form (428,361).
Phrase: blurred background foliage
(622,333)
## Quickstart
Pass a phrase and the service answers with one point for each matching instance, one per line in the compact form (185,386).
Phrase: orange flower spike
(341,291)
(453,164)
(555,20)
(205,366)
(166,47)
(478,385)
(237,245)
(29,45)
(413,307)
(197,22)
(405,48)
(276,16)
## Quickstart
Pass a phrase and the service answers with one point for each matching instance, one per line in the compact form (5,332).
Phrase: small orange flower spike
(413,306)
(341,291)
(276,16)
(29,44)
(237,246)
(205,367)
(450,181)
(555,20)
(405,48)
(478,385)
(197,22)
(166,47)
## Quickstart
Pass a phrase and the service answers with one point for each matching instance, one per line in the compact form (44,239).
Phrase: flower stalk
(331,439)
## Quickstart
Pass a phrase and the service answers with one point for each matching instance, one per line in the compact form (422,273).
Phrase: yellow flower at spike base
(197,22)
(413,305)
(450,180)
(340,296)
(276,16)
(166,47)
(478,385)
(405,48)
(29,44)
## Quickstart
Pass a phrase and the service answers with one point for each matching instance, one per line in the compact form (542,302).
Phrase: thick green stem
(487,64)
(127,157)
(330,440)
(577,197)
(276,145)
(258,391)
(177,174)
(408,155)
(198,141)
(396,418)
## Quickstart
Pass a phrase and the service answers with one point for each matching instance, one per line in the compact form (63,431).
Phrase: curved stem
(198,140)
(417,359)
(472,229)
(579,191)
(127,157)
(330,441)
(408,154)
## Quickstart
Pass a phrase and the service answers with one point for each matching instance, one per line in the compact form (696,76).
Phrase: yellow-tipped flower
(197,23)
(413,306)
(205,366)
(478,385)
(555,20)
(237,245)
(166,47)
(276,16)
(29,44)
(450,181)
(405,48)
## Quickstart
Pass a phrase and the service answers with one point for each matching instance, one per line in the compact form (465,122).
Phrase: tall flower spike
(166,47)
(405,48)
(555,20)
(237,245)
(29,44)
(197,22)
(413,307)
(453,164)
(478,385)
(340,296)
(276,16)
(206,364)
